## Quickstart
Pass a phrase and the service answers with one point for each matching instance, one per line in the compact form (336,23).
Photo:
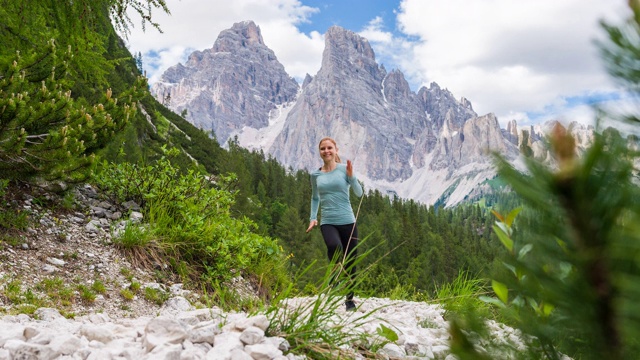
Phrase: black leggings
(340,239)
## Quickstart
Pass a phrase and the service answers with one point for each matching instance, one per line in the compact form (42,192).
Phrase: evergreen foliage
(571,264)
(58,105)
(43,130)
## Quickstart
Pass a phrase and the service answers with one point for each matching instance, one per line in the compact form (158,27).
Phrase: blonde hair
(334,144)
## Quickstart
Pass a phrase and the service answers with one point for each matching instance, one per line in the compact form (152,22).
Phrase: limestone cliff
(236,83)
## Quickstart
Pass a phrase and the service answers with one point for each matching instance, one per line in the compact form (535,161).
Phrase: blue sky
(349,14)
(524,60)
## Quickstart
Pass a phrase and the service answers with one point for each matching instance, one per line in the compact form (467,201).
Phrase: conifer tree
(43,130)
(56,105)
(138,59)
(572,270)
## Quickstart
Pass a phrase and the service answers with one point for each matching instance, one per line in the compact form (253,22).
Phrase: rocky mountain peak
(396,86)
(346,42)
(347,52)
(236,83)
(306,81)
(466,103)
(441,104)
(242,34)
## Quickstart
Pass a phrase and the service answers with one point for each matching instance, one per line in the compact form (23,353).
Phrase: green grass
(54,292)
(11,240)
(127,294)
(133,235)
(87,294)
(14,218)
(463,295)
(126,273)
(99,287)
(312,325)
(68,201)
(156,296)
(135,286)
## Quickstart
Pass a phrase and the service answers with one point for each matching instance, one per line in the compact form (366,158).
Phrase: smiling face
(328,150)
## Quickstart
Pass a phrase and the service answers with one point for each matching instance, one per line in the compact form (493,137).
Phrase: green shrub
(190,222)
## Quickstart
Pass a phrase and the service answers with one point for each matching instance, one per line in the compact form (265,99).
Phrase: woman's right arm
(315,204)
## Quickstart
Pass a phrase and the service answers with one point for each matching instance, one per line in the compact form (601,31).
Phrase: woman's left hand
(349,168)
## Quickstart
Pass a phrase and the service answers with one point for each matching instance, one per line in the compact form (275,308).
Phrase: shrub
(190,222)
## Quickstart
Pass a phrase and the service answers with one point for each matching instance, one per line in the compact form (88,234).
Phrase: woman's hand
(349,168)
(312,224)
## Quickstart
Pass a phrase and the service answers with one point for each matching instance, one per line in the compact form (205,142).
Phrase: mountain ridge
(424,145)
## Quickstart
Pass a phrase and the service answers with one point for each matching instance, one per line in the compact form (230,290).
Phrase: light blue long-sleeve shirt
(330,193)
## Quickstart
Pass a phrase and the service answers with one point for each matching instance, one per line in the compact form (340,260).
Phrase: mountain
(424,145)
(234,84)
(534,137)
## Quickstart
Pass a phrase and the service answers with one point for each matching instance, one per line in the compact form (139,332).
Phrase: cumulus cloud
(508,57)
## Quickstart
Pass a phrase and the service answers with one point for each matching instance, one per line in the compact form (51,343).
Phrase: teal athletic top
(330,192)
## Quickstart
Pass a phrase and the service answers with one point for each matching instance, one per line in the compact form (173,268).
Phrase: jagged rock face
(473,143)
(583,134)
(234,84)
(440,104)
(374,117)
(482,135)
(511,133)
(445,118)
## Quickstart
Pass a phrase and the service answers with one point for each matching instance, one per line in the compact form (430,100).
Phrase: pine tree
(571,271)
(56,105)
(43,130)
(138,59)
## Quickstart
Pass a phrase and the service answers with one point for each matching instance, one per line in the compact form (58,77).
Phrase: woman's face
(328,150)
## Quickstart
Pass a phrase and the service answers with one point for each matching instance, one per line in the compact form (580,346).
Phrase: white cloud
(507,57)
(374,33)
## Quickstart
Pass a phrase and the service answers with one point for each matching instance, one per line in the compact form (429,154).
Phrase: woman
(330,192)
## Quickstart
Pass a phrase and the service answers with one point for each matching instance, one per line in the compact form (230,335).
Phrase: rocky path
(180,331)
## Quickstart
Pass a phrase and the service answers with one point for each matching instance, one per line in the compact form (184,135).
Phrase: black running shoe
(350,305)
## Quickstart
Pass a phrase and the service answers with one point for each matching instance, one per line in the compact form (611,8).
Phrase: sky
(523,60)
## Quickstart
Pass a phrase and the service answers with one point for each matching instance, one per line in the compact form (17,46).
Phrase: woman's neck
(329,166)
